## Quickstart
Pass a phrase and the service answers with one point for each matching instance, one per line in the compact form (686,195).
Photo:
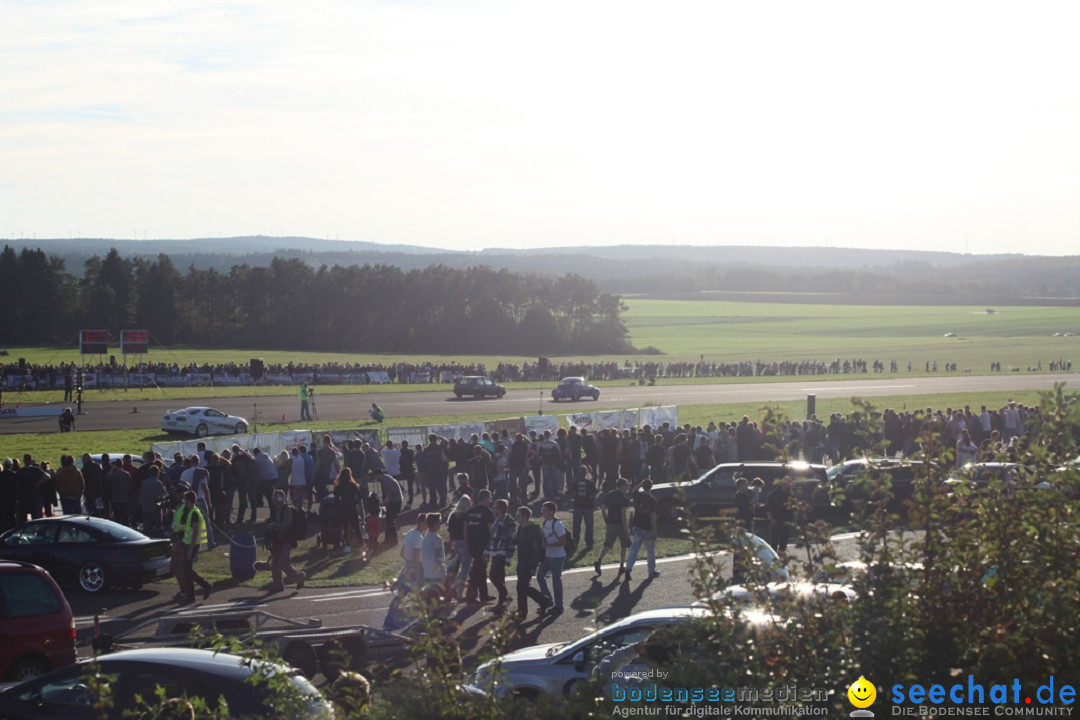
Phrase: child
(374,524)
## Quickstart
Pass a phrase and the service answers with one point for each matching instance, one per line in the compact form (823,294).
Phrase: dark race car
(574,388)
(88,552)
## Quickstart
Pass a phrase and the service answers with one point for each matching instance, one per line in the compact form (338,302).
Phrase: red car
(36,623)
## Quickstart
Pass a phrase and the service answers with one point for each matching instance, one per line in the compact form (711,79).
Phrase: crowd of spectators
(53,376)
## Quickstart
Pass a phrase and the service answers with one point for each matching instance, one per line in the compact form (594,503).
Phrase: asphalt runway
(114,413)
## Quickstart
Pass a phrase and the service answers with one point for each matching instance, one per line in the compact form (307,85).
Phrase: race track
(117,414)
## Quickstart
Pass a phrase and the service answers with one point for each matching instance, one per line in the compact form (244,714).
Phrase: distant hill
(640,268)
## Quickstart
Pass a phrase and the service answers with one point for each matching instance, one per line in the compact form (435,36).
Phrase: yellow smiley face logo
(862,693)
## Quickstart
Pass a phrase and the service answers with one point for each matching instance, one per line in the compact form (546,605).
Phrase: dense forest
(289,304)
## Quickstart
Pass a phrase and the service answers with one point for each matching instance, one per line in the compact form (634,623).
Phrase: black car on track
(714,492)
(88,552)
(478,386)
(135,677)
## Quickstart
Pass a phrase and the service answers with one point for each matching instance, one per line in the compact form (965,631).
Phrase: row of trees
(290,305)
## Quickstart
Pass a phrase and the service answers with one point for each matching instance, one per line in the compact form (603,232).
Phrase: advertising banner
(19,382)
(172,380)
(278,379)
(141,380)
(411,435)
(540,423)
(200,379)
(582,421)
(378,377)
(453,432)
(228,380)
(89,380)
(510,425)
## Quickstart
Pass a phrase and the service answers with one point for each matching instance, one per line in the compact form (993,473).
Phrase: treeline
(291,305)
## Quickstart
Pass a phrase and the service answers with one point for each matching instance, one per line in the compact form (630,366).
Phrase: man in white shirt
(412,571)
(554,533)
(433,552)
(391,458)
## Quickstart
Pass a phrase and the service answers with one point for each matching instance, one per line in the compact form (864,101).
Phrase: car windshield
(570,381)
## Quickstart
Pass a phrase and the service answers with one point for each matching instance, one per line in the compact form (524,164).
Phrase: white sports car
(203,421)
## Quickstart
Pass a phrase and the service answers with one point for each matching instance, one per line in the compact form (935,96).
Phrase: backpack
(569,541)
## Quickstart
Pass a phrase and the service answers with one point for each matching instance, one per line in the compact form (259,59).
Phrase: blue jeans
(553,565)
(552,481)
(642,536)
(588,515)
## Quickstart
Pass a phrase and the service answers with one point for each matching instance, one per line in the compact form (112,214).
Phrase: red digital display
(134,342)
(94,342)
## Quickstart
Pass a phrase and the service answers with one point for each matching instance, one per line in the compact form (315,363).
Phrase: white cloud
(471,124)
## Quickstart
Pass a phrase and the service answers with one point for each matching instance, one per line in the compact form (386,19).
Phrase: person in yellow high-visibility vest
(189,530)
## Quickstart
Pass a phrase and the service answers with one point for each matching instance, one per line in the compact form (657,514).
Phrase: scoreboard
(94,342)
(134,342)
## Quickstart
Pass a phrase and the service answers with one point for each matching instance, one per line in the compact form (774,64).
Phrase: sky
(468,125)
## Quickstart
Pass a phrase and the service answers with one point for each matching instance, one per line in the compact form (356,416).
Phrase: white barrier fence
(275,442)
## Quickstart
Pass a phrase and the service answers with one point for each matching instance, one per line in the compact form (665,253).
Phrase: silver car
(554,669)
(203,421)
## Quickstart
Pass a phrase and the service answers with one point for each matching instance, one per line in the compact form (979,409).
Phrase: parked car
(180,672)
(88,552)
(554,669)
(203,421)
(714,492)
(795,591)
(478,386)
(574,388)
(899,474)
(979,475)
(36,624)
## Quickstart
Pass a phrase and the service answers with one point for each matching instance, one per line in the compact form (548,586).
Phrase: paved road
(591,602)
(118,414)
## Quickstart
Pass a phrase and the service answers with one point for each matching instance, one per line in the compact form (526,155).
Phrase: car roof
(573,379)
(87,520)
(231,666)
(195,409)
(667,614)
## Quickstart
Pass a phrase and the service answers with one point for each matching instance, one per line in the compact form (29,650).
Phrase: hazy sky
(520,124)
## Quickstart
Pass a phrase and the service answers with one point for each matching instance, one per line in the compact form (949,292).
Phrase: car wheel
(301,656)
(202,430)
(92,577)
(458,395)
(28,667)
(501,393)
(240,428)
(596,396)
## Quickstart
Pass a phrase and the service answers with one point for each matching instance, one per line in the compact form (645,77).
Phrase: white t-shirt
(391,458)
(414,541)
(553,531)
(433,557)
(297,471)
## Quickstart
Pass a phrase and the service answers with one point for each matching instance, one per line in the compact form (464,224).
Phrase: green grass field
(1016,336)
(685,330)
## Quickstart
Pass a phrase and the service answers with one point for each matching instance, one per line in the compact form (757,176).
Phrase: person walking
(554,534)
(189,526)
(616,524)
(530,552)
(583,492)
(501,548)
(280,538)
(478,523)
(644,530)
(327,466)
